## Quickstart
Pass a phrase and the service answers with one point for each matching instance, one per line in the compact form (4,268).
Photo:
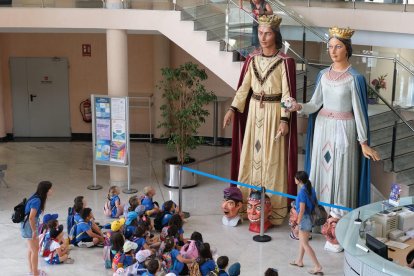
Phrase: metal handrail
(298,20)
(392,108)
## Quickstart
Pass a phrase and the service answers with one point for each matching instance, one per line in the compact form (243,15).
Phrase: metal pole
(215,124)
(262,237)
(394,82)
(129,190)
(393,145)
(226,34)
(94,186)
(180,193)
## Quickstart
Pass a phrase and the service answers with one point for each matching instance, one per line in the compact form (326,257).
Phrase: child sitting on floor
(163,218)
(113,207)
(85,237)
(58,252)
(151,207)
(222,263)
(44,238)
(172,259)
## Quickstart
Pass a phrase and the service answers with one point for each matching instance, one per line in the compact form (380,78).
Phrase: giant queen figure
(337,144)
(264,145)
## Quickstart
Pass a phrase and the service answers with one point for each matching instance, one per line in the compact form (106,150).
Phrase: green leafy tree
(184,111)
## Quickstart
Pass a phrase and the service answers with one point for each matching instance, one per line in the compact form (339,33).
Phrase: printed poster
(118,108)
(103,150)
(118,152)
(118,131)
(102,107)
(103,129)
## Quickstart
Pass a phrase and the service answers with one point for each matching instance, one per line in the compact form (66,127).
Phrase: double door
(40,97)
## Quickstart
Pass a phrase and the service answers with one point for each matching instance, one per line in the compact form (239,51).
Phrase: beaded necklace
(340,75)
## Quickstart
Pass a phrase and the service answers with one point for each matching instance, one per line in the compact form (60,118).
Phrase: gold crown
(272,21)
(341,32)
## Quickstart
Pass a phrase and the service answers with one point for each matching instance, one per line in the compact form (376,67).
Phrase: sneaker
(82,244)
(100,245)
(69,261)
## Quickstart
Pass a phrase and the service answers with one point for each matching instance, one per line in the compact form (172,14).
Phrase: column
(2,111)
(161,59)
(117,66)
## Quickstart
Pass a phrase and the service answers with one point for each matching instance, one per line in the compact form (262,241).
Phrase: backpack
(129,231)
(194,269)
(108,209)
(118,259)
(158,221)
(73,234)
(167,262)
(70,221)
(189,250)
(18,214)
(107,256)
(45,248)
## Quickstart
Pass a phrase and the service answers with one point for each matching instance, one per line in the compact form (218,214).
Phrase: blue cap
(130,217)
(234,269)
(140,210)
(49,217)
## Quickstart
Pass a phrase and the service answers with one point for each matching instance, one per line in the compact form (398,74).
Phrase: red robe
(239,125)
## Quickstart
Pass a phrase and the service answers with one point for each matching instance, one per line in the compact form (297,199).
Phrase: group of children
(149,239)
(144,238)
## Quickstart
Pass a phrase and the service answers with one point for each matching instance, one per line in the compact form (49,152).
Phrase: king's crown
(272,21)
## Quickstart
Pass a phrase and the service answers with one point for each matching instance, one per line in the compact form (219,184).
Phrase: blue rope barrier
(257,188)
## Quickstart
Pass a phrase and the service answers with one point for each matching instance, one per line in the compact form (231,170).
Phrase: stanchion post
(129,190)
(180,193)
(94,186)
(262,237)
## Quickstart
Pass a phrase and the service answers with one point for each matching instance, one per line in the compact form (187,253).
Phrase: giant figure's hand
(370,153)
(228,118)
(283,128)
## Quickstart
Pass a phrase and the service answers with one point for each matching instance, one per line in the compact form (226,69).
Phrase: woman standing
(264,148)
(305,205)
(35,205)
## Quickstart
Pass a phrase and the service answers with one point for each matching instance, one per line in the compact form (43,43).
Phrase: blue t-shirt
(223,273)
(166,218)
(140,242)
(77,218)
(129,260)
(148,203)
(114,199)
(207,266)
(177,265)
(303,196)
(82,226)
(147,274)
(33,203)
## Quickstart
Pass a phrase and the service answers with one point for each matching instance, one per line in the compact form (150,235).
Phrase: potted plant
(182,115)
(378,83)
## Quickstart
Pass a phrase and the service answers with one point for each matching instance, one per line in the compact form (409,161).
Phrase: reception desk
(359,262)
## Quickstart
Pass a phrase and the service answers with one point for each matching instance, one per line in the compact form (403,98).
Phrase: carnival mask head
(232,202)
(254,211)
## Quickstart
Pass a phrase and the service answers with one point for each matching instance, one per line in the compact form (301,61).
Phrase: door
(40,97)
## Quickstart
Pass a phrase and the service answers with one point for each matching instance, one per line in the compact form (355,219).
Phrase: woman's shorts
(26,230)
(306,223)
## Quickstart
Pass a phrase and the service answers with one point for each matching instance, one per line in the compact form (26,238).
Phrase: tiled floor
(69,166)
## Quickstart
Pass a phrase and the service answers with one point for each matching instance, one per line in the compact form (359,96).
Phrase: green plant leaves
(184,112)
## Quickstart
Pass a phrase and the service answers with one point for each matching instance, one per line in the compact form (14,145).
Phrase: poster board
(110,136)
(110,130)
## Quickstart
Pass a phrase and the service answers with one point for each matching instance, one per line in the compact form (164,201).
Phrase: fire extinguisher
(85,110)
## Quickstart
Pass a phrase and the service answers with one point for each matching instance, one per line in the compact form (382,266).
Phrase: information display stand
(110,135)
